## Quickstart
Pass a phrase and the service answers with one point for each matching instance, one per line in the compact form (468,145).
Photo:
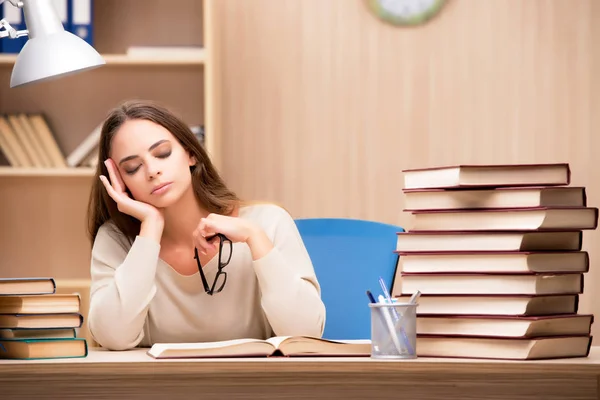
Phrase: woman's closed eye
(133,170)
(164,154)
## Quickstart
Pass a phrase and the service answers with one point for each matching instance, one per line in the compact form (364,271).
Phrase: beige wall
(321,105)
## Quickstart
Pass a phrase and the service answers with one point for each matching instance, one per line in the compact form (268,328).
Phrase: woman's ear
(192,161)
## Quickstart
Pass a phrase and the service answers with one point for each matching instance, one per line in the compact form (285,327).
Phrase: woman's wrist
(258,242)
(152,228)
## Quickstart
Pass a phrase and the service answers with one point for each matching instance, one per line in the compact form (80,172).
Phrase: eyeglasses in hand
(225,251)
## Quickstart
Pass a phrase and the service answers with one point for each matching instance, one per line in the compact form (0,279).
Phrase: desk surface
(138,375)
(100,359)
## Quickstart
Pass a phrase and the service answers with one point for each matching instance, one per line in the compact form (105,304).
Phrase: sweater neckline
(210,266)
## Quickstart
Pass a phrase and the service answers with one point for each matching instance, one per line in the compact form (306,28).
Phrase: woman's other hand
(236,229)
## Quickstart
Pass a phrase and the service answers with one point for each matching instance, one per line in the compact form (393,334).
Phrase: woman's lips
(161,188)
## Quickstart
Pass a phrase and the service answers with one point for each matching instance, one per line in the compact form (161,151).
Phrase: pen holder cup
(393,330)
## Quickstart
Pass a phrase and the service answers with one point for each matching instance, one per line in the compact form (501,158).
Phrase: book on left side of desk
(289,346)
(38,323)
(33,349)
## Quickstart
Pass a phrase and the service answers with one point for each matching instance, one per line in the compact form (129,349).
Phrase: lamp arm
(9,31)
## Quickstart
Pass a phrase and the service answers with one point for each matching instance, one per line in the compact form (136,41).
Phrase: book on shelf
(470,176)
(551,347)
(11,146)
(500,197)
(86,149)
(27,141)
(40,124)
(289,346)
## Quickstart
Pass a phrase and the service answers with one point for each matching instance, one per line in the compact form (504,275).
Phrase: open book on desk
(276,346)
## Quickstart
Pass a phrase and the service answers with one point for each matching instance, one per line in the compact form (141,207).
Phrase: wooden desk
(134,375)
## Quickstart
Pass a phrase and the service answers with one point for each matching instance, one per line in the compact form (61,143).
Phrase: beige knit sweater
(137,299)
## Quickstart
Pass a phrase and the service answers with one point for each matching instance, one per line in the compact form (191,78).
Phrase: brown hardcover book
(22,286)
(40,304)
(522,219)
(517,305)
(40,321)
(436,241)
(506,197)
(32,349)
(505,325)
(490,283)
(502,262)
(504,348)
(498,175)
(55,333)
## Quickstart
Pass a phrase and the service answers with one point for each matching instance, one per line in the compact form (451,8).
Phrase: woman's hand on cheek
(236,229)
(117,191)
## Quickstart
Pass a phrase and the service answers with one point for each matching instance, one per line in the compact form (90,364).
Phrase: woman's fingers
(200,234)
(201,243)
(122,186)
(111,191)
(115,178)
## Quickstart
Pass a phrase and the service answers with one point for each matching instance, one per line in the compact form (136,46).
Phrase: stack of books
(38,323)
(496,252)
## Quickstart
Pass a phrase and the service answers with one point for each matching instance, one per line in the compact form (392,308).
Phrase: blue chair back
(349,256)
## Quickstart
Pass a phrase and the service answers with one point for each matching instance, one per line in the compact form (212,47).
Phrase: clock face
(405,12)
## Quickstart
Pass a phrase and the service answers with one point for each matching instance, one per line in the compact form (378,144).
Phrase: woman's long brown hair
(209,188)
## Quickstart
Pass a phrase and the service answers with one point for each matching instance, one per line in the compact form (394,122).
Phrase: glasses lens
(226,251)
(220,281)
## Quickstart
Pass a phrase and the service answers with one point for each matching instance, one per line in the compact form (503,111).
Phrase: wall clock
(405,12)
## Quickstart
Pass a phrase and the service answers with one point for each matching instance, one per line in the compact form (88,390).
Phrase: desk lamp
(50,52)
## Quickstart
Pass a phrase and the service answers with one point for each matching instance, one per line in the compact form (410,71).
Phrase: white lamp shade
(52,56)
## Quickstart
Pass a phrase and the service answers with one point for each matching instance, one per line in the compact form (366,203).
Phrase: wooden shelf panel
(44,221)
(123,59)
(48,172)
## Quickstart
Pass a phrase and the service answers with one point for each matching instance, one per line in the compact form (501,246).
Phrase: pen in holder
(393,337)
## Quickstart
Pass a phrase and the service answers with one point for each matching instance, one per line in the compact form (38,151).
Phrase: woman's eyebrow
(155,145)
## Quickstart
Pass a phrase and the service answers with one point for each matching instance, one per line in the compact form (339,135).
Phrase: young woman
(176,256)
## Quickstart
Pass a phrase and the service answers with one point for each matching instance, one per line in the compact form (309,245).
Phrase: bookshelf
(43,210)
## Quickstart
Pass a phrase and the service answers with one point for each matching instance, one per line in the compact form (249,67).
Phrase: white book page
(277,340)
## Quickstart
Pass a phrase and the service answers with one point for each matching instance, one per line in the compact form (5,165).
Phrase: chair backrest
(349,256)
